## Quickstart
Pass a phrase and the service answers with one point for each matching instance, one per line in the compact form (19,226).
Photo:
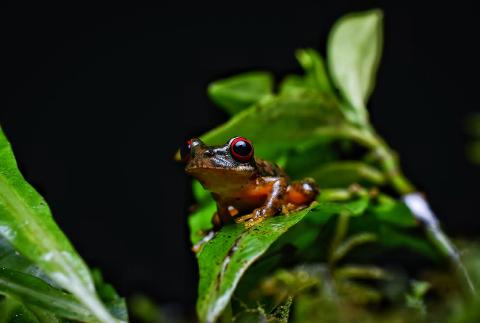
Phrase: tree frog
(247,189)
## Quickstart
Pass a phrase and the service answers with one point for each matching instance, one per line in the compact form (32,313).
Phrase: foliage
(42,277)
(315,264)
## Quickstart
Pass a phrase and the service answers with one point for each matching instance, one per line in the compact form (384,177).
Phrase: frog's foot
(244,218)
(258,216)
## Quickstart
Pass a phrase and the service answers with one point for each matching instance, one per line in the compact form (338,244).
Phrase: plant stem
(368,138)
(390,165)
(340,233)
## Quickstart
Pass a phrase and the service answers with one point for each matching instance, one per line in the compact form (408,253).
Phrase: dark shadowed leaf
(395,238)
(345,173)
(394,212)
(354,207)
(12,311)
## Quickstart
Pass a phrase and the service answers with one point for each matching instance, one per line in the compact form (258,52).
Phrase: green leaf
(12,311)
(201,195)
(360,272)
(224,259)
(26,222)
(415,299)
(32,291)
(238,92)
(278,124)
(294,84)
(282,312)
(115,304)
(354,207)
(394,238)
(393,211)
(354,51)
(314,66)
(345,173)
(349,244)
(200,222)
(315,78)
(299,162)
(145,310)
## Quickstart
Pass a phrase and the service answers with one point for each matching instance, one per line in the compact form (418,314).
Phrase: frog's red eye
(241,149)
(185,150)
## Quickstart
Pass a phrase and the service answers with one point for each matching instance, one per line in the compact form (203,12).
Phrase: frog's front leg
(223,214)
(275,187)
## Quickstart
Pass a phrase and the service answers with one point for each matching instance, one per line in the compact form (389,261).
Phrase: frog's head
(211,163)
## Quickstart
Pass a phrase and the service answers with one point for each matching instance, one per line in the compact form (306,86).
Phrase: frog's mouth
(217,180)
(214,171)
(218,163)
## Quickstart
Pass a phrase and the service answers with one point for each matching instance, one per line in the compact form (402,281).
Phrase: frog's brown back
(267,168)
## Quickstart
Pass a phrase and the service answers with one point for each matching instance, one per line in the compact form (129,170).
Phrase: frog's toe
(254,221)
(244,218)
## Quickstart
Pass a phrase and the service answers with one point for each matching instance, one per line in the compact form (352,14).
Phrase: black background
(96,101)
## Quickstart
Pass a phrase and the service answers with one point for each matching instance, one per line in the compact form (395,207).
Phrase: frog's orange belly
(248,198)
(247,203)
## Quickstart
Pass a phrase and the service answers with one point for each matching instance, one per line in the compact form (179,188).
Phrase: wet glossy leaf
(238,92)
(354,50)
(32,291)
(223,260)
(29,276)
(278,124)
(26,222)
(11,259)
